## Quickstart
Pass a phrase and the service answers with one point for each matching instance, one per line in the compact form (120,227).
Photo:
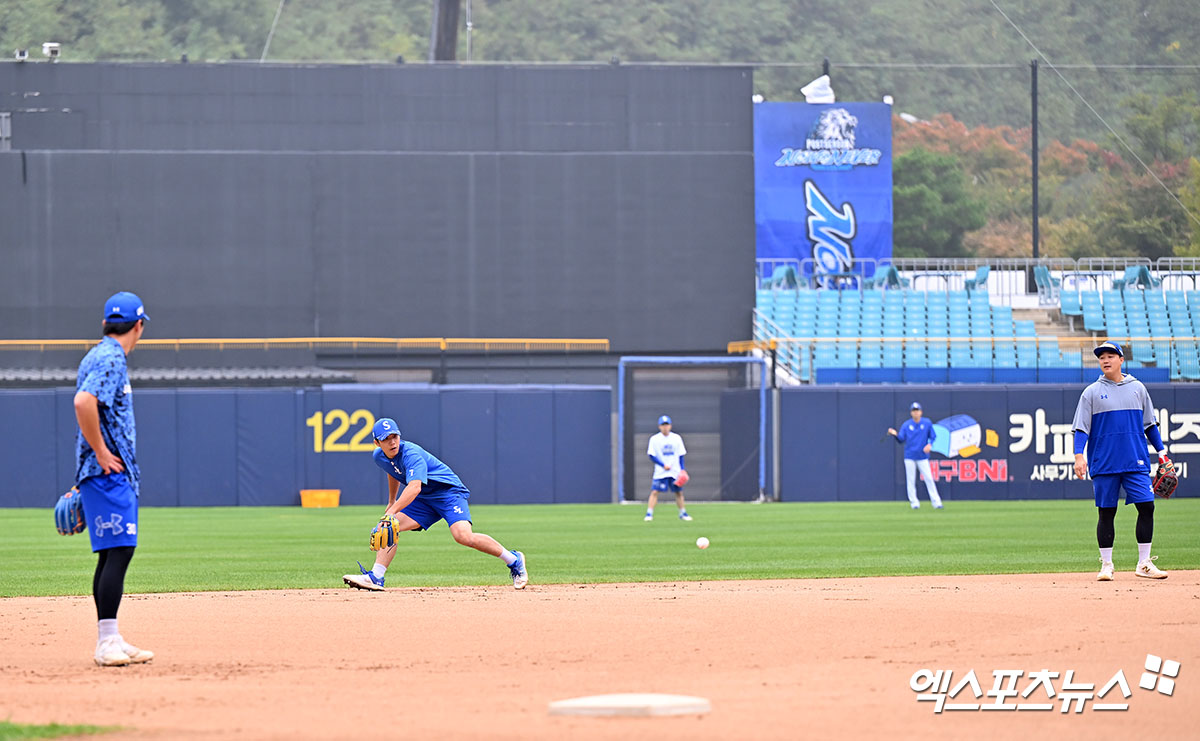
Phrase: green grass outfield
(234,548)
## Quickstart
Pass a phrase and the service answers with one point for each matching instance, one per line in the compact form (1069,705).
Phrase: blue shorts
(439,502)
(110,508)
(1107,488)
(666,484)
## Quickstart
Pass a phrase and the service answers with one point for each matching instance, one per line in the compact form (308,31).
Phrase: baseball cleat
(136,655)
(1106,571)
(520,576)
(648,518)
(109,653)
(916,506)
(1149,570)
(365,580)
(685,517)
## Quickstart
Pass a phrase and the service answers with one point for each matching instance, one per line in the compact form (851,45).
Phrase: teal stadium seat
(979,282)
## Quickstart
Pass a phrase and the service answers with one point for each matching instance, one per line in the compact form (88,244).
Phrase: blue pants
(110,508)
(1107,488)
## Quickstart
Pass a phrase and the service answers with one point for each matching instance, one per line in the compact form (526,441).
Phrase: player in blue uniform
(106,469)
(917,435)
(431,492)
(1113,421)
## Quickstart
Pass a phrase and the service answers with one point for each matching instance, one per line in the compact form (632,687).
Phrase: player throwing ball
(1114,419)
(666,451)
(431,492)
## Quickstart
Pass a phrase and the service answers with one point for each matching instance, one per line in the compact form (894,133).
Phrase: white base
(631,704)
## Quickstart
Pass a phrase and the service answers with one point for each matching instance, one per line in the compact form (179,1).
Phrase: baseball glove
(68,513)
(682,478)
(384,534)
(1166,479)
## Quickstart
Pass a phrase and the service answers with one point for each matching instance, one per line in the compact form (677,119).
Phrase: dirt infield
(829,658)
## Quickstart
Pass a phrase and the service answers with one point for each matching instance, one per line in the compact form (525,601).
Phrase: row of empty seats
(1160,327)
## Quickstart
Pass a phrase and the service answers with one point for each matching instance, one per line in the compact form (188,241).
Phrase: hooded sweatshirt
(1115,417)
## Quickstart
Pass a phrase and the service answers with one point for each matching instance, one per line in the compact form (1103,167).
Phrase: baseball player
(917,435)
(431,492)
(666,451)
(106,469)
(1114,419)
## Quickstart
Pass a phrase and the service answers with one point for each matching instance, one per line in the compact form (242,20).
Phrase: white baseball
(701,543)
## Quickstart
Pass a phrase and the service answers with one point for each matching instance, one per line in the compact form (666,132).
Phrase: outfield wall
(832,449)
(197,447)
(554,444)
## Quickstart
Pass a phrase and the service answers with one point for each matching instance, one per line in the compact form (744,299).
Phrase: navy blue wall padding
(469,440)
(28,438)
(739,444)
(267,464)
(206,421)
(159,447)
(808,445)
(1059,405)
(348,418)
(583,437)
(525,437)
(65,430)
(861,416)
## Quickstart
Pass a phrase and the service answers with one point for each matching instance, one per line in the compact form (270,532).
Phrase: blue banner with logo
(823,184)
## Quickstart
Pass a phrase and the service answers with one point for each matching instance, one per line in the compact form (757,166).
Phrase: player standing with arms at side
(666,450)
(106,469)
(917,435)
(431,492)
(1114,419)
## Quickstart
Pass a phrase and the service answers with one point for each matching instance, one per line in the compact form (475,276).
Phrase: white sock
(1143,552)
(509,557)
(649,512)
(108,628)
(1106,555)
(379,570)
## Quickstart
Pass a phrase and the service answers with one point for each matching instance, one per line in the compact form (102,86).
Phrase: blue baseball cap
(916,405)
(664,420)
(385,427)
(1109,346)
(124,307)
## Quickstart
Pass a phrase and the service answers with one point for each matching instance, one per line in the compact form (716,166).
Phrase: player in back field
(917,435)
(1114,419)
(431,492)
(666,451)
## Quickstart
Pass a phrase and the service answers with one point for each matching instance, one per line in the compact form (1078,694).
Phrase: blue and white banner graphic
(823,184)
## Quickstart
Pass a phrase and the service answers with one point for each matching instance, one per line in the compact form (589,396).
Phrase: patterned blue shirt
(915,436)
(103,373)
(414,463)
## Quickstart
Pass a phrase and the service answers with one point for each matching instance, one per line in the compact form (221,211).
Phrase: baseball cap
(916,405)
(1108,347)
(664,420)
(385,427)
(124,307)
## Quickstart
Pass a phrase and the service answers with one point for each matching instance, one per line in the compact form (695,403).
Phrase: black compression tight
(1106,528)
(1106,531)
(108,584)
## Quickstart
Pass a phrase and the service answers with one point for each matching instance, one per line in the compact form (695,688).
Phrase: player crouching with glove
(431,492)
(1114,419)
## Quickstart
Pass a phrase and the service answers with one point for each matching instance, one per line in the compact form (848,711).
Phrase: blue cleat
(520,576)
(365,580)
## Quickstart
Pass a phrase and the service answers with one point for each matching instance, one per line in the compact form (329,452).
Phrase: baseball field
(799,620)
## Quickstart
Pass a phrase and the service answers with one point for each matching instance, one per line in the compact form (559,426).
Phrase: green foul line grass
(239,548)
(54,730)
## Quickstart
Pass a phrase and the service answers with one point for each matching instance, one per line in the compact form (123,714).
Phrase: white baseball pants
(910,469)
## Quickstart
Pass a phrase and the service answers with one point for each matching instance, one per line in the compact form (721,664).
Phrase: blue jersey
(1115,417)
(414,463)
(915,436)
(103,373)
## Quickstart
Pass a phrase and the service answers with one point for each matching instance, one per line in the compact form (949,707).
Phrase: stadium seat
(979,282)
